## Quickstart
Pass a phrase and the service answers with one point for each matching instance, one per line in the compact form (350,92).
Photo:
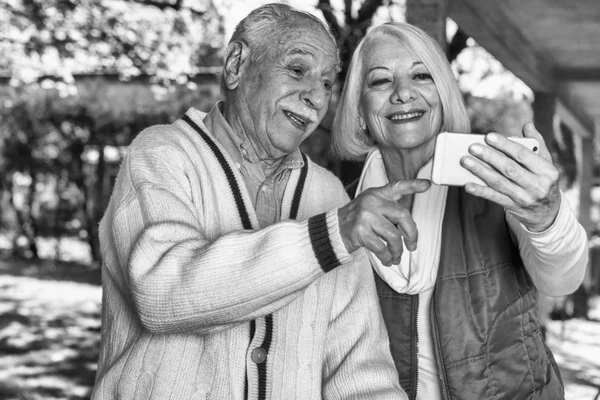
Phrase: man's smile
(297,119)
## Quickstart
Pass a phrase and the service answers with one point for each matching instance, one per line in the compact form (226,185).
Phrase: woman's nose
(404,93)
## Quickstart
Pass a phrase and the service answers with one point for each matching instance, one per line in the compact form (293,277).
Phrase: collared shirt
(266,191)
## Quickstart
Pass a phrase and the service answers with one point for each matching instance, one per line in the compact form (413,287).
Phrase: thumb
(395,190)
(529,130)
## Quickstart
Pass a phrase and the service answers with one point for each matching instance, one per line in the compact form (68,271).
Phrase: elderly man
(225,273)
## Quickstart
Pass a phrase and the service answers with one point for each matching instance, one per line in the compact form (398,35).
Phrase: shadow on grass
(49,330)
(50,270)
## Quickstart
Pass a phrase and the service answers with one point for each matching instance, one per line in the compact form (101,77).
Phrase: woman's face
(399,100)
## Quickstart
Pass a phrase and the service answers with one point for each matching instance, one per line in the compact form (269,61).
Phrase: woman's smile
(404,117)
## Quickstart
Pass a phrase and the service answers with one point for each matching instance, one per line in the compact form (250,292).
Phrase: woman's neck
(404,164)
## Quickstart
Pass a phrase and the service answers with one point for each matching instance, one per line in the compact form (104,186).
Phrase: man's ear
(236,58)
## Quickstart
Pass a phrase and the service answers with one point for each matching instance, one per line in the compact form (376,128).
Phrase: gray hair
(349,141)
(265,26)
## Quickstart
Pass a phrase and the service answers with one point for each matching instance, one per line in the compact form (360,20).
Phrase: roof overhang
(553,46)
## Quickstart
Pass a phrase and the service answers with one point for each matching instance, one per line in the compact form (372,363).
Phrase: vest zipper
(437,352)
(416,355)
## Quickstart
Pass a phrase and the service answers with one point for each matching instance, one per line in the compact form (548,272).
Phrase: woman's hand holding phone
(522,181)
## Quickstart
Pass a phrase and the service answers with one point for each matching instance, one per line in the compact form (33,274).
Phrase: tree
(351,27)
(66,60)
(167,40)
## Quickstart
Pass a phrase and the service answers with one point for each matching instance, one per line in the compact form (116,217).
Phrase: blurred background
(80,78)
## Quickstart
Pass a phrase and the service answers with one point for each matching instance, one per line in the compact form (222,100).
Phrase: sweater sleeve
(183,274)
(359,364)
(556,258)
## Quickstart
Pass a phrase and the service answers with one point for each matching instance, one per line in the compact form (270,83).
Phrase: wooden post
(586,170)
(544,108)
(429,15)
(585,200)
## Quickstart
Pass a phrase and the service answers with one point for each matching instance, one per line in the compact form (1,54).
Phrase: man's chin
(287,147)
(284,150)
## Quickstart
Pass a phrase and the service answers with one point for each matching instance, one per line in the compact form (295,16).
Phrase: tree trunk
(26,219)
(9,187)
(84,180)
(98,206)
(61,186)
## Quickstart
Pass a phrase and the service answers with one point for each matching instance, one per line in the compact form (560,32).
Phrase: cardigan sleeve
(358,361)
(181,273)
(556,258)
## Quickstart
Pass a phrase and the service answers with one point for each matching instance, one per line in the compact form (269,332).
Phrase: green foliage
(68,37)
(350,27)
(55,140)
(86,76)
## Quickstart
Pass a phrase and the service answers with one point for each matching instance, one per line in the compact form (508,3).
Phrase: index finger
(535,163)
(529,130)
(395,190)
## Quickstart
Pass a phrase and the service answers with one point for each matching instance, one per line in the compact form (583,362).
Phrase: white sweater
(188,280)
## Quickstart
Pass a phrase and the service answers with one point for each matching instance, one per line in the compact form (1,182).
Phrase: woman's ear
(236,56)
(361,123)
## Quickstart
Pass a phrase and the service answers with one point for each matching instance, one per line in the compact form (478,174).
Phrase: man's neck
(255,153)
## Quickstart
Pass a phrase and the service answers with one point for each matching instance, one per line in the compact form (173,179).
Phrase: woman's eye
(328,85)
(380,81)
(423,77)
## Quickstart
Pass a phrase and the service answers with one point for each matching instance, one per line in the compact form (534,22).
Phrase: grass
(49,329)
(50,334)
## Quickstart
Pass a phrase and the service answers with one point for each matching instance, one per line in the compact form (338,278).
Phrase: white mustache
(303,111)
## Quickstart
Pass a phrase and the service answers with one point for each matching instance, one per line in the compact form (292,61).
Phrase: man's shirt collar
(238,147)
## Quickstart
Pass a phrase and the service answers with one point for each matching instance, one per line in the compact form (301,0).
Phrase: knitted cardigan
(192,286)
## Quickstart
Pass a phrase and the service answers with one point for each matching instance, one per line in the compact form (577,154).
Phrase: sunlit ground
(576,347)
(49,330)
(50,334)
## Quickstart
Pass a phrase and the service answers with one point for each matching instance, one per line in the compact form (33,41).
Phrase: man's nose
(314,95)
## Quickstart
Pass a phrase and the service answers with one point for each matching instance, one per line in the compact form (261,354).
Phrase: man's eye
(297,70)
(328,85)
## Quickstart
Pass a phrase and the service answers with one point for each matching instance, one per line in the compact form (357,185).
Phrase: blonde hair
(349,141)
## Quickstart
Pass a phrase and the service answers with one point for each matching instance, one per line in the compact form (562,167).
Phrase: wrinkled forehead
(311,41)
(305,23)
(304,26)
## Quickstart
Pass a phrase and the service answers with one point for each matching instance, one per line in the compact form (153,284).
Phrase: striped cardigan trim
(299,189)
(262,367)
(318,233)
(321,243)
(237,194)
(246,223)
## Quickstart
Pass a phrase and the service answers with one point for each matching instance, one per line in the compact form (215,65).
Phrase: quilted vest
(487,340)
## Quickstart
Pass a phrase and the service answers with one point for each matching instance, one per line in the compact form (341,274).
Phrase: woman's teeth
(398,117)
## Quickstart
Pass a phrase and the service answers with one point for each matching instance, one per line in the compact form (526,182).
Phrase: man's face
(286,94)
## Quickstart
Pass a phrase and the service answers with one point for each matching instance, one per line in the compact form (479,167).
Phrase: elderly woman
(460,308)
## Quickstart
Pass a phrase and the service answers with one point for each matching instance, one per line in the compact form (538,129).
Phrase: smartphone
(451,147)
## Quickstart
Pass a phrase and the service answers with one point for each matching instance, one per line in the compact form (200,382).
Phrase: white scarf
(418,269)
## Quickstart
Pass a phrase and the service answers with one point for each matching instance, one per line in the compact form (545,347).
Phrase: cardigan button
(258,355)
